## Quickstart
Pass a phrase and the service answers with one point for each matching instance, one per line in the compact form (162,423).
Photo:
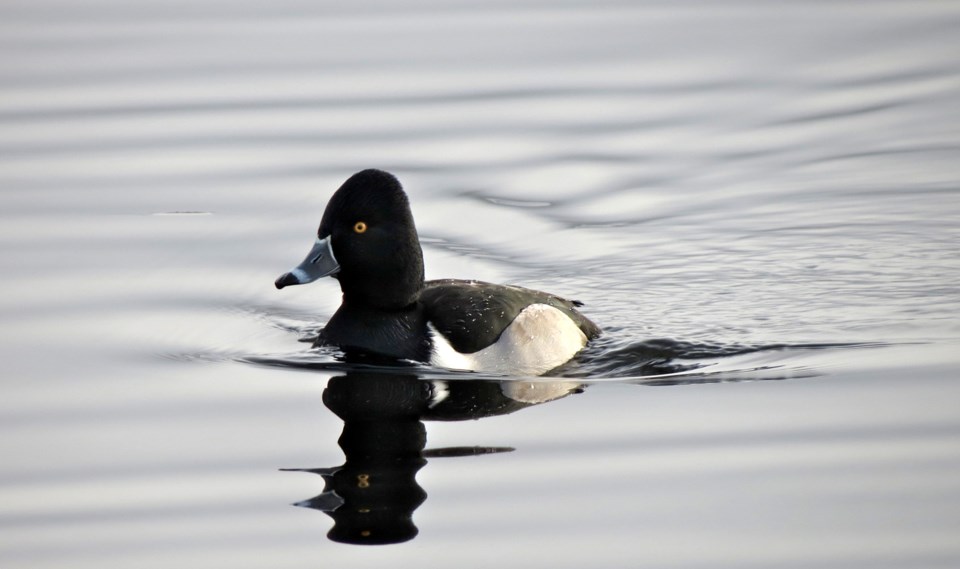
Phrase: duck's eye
(359,227)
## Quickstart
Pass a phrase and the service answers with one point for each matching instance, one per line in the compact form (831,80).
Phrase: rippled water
(757,201)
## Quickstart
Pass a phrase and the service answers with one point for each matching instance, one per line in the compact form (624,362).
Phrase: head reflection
(373,495)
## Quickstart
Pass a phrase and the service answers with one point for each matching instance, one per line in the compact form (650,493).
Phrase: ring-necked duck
(367,240)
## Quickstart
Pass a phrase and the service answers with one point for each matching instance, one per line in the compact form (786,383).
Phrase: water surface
(757,201)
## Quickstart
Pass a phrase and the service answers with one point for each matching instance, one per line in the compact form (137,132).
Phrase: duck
(368,242)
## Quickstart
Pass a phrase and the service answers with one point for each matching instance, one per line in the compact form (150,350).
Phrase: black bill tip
(286,279)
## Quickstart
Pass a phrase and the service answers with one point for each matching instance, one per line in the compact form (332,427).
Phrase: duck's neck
(384,296)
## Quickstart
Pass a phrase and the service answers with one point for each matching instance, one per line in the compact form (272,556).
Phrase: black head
(374,240)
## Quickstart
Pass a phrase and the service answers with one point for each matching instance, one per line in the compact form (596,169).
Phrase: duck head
(366,240)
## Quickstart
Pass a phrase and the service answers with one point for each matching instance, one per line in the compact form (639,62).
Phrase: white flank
(440,392)
(539,339)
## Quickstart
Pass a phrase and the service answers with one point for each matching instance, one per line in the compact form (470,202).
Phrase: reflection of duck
(373,495)
(367,240)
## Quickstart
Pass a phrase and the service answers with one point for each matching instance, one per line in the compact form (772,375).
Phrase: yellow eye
(359,227)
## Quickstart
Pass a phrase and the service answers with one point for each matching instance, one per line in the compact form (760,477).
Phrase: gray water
(758,201)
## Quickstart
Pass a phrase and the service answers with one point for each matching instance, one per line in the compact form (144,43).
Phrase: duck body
(367,240)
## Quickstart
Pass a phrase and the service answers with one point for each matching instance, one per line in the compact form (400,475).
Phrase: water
(757,201)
